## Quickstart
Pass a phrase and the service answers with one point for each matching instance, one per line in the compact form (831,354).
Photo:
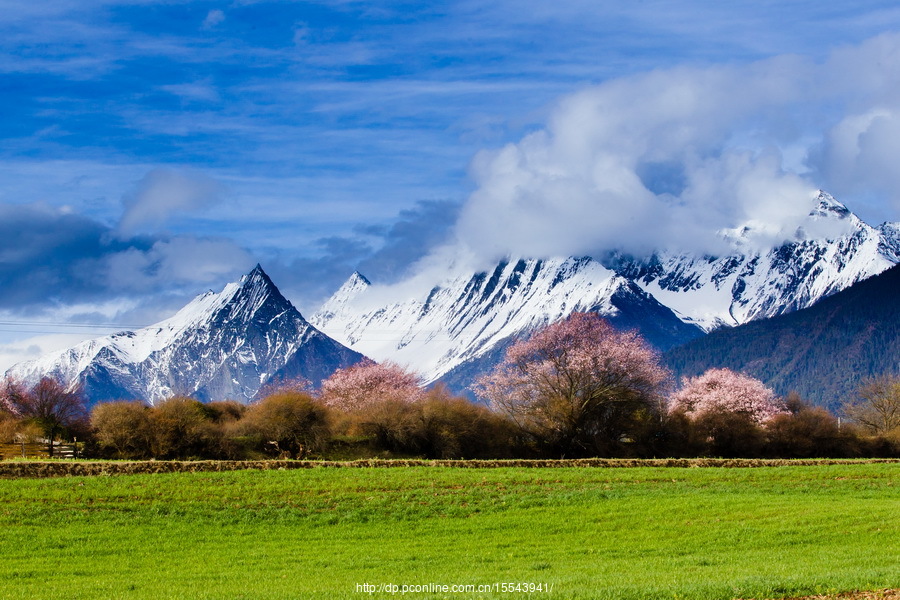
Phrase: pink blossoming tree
(578,386)
(724,391)
(367,383)
(12,395)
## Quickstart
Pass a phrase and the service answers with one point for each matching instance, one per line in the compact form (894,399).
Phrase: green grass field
(588,533)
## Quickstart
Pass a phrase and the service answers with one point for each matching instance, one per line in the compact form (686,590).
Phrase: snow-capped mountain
(462,325)
(225,345)
(468,317)
(829,252)
(228,345)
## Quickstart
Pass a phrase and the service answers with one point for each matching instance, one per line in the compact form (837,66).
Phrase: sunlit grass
(590,533)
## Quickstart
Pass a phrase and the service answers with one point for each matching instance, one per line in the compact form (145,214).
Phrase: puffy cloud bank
(667,158)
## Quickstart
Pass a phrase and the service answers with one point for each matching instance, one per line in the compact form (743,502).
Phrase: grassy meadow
(587,532)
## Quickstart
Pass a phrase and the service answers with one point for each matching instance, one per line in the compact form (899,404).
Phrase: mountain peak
(256,277)
(827,206)
(355,285)
(220,345)
(358,278)
(252,293)
(258,283)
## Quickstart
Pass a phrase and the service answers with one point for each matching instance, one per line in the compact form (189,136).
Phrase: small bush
(456,428)
(807,431)
(124,428)
(286,424)
(729,435)
(180,429)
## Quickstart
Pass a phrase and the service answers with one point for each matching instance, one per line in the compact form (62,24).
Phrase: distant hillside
(823,352)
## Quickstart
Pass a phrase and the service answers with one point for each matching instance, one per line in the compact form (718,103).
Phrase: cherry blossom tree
(367,383)
(578,386)
(724,391)
(12,395)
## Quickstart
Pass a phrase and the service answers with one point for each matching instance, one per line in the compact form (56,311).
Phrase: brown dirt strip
(65,468)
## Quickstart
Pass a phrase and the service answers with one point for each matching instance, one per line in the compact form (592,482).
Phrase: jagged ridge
(460,328)
(832,250)
(468,317)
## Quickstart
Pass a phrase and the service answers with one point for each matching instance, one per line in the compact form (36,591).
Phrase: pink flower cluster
(581,360)
(723,390)
(367,383)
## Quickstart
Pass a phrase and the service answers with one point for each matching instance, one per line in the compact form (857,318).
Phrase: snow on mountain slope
(224,345)
(468,316)
(460,324)
(832,250)
(126,347)
(228,345)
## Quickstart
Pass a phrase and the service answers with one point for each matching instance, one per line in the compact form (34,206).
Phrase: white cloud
(668,158)
(213,18)
(175,262)
(30,348)
(201,91)
(164,193)
(637,164)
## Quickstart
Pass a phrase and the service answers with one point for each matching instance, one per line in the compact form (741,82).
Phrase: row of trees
(581,388)
(366,410)
(292,423)
(576,388)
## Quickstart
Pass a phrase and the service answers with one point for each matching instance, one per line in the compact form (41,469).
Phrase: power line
(78,333)
(61,327)
(72,324)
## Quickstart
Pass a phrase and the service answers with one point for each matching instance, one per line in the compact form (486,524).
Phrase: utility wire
(71,324)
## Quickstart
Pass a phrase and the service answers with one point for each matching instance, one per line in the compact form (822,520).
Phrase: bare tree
(51,407)
(876,406)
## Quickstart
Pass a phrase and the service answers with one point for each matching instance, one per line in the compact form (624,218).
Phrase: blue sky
(152,150)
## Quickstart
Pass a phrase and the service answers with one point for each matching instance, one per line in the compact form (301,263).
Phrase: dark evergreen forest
(823,352)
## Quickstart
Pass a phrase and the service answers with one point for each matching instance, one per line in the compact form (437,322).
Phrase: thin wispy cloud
(213,18)
(165,194)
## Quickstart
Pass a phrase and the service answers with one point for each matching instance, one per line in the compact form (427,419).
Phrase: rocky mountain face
(220,346)
(832,250)
(228,345)
(469,318)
